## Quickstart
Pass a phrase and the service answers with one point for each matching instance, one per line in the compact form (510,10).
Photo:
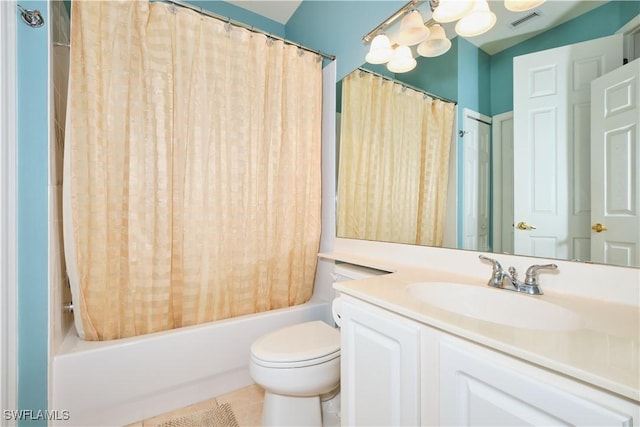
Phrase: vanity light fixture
(413,30)
(474,18)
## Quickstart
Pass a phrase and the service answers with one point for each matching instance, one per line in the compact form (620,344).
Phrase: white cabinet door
(380,367)
(615,167)
(551,145)
(480,387)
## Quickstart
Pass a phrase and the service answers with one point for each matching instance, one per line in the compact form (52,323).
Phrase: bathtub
(122,381)
(127,380)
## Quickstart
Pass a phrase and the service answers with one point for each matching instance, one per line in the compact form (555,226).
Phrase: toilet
(298,366)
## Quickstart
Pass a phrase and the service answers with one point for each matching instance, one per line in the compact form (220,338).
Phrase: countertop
(604,351)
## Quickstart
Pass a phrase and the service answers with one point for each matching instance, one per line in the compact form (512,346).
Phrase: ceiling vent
(533,15)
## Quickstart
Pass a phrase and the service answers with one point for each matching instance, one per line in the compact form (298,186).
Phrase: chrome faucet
(500,277)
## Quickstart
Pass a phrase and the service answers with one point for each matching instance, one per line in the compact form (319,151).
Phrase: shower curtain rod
(417,89)
(245,26)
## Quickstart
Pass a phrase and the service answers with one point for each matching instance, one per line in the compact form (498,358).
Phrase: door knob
(598,228)
(524,226)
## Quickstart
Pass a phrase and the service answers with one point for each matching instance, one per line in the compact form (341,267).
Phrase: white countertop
(605,352)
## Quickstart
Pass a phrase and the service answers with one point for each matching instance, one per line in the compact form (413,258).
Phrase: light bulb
(402,60)
(452,10)
(412,29)
(478,21)
(521,5)
(437,43)
(380,51)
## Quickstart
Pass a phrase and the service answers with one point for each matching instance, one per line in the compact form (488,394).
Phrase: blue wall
(474,68)
(437,75)
(33,147)
(337,28)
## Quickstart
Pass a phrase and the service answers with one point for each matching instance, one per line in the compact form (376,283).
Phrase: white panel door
(551,146)
(380,368)
(615,163)
(476,180)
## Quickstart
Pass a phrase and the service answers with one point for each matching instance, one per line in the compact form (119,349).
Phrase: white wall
(8,291)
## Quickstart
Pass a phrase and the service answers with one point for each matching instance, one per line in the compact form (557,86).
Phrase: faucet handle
(531,277)
(496,264)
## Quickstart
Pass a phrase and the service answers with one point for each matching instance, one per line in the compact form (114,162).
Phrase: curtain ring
(172,8)
(31,17)
(270,41)
(227,25)
(300,51)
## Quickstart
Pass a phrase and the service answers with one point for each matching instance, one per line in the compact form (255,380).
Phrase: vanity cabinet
(479,386)
(397,371)
(380,367)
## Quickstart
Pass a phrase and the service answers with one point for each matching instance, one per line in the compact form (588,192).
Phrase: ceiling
(500,37)
(276,10)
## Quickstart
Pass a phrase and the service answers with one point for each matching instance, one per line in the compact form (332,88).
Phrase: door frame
(8,207)
(502,223)
(468,113)
(631,33)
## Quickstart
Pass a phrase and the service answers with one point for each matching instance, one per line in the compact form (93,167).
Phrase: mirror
(465,74)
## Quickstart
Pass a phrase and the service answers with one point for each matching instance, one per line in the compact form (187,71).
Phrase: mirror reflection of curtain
(194,155)
(394,157)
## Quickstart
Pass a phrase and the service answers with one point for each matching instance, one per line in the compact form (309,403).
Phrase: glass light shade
(402,60)
(437,43)
(521,5)
(380,51)
(478,21)
(412,29)
(452,10)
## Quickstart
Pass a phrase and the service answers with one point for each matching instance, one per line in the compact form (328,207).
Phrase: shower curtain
(193,149)
(394,162)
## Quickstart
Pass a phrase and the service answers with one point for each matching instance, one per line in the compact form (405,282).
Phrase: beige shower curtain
(195,168)
(394,158)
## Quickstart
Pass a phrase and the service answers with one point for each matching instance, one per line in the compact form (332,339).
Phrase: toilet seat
(304,344)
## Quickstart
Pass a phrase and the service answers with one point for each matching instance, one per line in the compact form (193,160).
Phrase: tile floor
(246,404)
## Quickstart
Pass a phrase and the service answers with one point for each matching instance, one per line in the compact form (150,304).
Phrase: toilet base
(279,410)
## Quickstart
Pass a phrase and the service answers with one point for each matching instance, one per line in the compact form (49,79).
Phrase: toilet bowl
(296,366)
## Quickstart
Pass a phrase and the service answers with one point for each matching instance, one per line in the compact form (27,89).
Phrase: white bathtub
(131,379)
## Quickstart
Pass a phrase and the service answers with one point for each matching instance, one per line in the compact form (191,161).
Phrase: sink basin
(496,305)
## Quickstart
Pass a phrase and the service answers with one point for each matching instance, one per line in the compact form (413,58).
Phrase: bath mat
(220,416)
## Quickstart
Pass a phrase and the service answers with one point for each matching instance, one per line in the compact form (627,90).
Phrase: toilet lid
(304,341)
